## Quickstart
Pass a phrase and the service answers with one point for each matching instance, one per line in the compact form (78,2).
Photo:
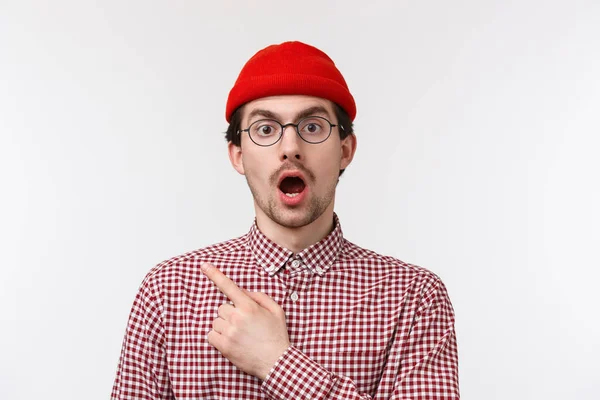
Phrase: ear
(235,156)
(347,150)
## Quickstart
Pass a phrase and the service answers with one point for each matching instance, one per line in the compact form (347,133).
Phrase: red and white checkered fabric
(362,326)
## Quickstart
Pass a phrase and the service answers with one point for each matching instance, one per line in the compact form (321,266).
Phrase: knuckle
(253,308)
(224,309)
(230,332)
(236,318)
(210,337)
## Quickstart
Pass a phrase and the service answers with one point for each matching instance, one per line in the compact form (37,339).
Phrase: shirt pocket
(369,331)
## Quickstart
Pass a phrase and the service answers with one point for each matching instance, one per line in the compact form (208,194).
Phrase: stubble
(297,216)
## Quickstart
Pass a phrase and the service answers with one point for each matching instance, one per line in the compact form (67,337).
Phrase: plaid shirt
(361,325)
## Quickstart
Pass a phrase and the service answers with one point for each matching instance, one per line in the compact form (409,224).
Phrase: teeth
(292,194)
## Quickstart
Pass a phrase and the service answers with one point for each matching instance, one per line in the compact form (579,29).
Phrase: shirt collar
(317,258)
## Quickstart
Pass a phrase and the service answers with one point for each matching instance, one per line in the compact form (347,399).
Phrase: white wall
(478,130)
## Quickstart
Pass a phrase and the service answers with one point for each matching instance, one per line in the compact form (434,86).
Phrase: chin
(296,217)
(293,219)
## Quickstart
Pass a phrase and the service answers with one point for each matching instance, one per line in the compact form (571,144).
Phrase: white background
(478,126)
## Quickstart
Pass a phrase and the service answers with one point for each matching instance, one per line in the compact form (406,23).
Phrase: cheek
(256,167)
(329,164)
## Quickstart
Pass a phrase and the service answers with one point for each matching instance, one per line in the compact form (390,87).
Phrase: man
(291,310)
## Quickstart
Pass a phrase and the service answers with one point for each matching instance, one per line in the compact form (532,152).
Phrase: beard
(292,217)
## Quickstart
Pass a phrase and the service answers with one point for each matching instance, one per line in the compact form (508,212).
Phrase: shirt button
(295,263)
(271,268)
(294,296)
(319,270)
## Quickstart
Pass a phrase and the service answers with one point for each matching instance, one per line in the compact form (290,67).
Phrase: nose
(290,145)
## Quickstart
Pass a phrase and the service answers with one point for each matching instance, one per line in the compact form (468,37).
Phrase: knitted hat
(290,68)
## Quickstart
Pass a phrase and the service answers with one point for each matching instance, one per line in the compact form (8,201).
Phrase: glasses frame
(283,126)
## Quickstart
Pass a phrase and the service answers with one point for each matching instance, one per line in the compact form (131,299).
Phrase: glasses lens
(265,131)
(314,129)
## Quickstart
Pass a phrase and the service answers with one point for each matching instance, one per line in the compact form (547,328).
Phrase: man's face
(293,182)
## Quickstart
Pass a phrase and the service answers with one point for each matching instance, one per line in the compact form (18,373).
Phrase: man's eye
(265,130)
(311,127)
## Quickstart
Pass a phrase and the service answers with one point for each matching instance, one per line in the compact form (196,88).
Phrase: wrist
(267,367)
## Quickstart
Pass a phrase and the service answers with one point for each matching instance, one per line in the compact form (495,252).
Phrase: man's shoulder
(188,264)
(354,255)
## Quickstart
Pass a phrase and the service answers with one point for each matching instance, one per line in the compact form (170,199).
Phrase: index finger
(225,285)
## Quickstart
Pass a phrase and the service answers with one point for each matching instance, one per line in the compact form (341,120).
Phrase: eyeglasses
(267,132)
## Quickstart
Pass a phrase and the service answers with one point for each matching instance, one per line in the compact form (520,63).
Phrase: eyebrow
(314,110)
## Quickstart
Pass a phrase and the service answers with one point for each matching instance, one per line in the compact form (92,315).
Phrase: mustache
(292,165)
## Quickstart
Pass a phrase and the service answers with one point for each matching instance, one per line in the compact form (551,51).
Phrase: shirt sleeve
(422,364)
(142,371)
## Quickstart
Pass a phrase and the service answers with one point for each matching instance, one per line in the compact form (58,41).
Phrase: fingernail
(205,267)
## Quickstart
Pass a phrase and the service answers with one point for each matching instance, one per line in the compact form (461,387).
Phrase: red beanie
(286,69)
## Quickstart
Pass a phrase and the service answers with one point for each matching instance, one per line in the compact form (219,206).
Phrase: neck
(296,239)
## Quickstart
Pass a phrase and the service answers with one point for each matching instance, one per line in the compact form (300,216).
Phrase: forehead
(287,108)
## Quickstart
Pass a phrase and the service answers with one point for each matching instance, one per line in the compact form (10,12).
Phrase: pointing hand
(251,333)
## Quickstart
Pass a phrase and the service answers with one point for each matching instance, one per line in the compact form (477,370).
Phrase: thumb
(264,300)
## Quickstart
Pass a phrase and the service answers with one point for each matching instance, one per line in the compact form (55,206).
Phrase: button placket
(294,307)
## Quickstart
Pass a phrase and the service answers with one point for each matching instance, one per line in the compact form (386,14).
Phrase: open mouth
(292,186)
